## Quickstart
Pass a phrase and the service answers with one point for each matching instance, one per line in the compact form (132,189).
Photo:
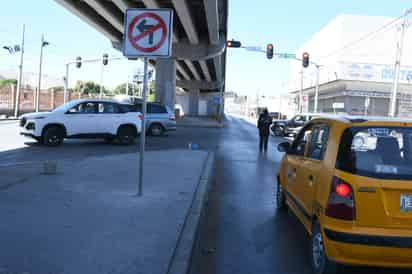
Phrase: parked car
(159,118)
(349,182)
(83,118)
(291,126)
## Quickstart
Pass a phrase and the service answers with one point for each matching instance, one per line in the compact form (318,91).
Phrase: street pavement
(241,231)
(86,218)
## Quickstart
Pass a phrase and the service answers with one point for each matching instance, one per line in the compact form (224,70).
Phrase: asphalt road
(242,231)
(16,149)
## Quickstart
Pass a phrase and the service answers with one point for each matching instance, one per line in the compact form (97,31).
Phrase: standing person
(263,125)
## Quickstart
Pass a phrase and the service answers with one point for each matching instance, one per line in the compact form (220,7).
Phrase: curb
(182,254)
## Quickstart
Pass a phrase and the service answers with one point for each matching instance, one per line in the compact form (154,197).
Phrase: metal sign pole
(143,130)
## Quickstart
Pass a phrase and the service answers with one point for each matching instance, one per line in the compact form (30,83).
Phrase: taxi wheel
(320,262)
(280,198)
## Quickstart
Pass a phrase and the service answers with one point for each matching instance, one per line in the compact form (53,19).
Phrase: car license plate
(406,203)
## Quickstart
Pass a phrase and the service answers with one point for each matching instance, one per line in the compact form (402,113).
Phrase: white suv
(85,118)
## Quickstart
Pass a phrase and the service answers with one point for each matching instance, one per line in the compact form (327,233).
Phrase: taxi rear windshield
(377,152)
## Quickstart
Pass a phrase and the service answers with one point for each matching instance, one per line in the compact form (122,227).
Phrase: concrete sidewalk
(206,122)
(86,219)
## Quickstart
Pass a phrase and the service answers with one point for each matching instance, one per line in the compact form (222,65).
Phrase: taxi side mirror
(284,147)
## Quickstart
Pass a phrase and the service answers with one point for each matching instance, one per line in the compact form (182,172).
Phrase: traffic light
(269,51)
(233,44)
(305,59)
(78,62)
(105,59)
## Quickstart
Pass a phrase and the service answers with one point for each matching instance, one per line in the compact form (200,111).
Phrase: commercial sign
(375,72)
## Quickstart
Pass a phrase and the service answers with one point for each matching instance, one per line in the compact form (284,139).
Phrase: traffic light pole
(66,78)
(19,83)
(293,56)
(101,80)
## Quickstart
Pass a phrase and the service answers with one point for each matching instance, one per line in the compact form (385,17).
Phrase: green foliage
(151,97)
(121,89)
(88,87)
(7,82)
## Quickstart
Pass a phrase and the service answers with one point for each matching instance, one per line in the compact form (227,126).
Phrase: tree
(121,89)
(7,82)
(88,87)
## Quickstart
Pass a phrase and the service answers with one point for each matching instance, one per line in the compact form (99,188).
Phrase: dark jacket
(264,123)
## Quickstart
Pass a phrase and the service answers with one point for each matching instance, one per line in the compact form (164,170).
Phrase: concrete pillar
(194,102)
(165,86)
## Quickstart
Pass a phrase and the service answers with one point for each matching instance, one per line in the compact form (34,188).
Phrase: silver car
(159,118)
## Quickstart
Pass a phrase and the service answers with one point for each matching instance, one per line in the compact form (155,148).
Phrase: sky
(286,24)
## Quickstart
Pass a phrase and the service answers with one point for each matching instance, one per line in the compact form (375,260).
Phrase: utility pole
(392,110)
(43,44)
(19,83)
(317,89)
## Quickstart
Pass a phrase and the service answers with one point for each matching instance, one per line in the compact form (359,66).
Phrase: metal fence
(49,99)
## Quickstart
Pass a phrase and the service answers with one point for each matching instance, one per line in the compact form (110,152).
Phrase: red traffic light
(233,44)
(305,59)
(269,51)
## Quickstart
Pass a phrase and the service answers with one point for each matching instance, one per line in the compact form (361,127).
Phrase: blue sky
(286,24)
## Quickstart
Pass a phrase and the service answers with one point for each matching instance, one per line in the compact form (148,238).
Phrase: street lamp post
(392,110)
(315,109)
(43,44)
(13,49)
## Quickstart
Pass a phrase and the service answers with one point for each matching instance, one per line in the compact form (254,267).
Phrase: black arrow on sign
(142,27)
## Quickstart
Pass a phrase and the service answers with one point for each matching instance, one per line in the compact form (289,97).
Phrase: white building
(357,58)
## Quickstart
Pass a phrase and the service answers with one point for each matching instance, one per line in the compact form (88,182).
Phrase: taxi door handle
(310,180)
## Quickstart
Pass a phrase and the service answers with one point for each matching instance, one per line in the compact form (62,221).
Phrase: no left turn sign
(148,33)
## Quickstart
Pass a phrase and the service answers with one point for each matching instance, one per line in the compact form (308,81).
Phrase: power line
(362,38)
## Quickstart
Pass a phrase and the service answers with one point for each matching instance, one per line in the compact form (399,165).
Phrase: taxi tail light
(341,203)
(140,117)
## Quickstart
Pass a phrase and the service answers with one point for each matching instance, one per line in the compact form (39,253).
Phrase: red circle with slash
(135,39)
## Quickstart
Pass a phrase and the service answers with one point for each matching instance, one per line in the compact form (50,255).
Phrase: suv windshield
(378,152)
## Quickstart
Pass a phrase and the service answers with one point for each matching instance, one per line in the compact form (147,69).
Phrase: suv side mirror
(284,147)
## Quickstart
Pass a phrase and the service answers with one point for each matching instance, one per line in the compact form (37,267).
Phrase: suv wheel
(53,136)
(156,130)
(320,262)
(280,197)
(126,135)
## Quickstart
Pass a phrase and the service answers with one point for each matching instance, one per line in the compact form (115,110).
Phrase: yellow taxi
(349,182)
